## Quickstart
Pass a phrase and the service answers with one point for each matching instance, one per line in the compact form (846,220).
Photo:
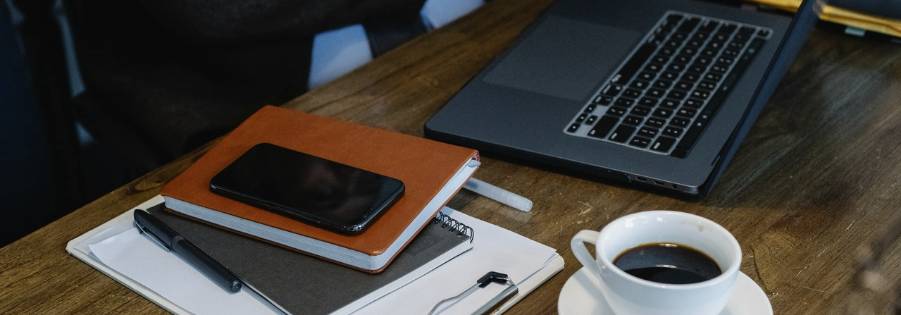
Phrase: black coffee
(668,263)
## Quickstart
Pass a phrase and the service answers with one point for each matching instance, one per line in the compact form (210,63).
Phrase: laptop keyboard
(669,88)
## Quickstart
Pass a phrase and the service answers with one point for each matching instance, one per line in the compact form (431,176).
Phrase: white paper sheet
(117,249)
(143,261)
(494,249)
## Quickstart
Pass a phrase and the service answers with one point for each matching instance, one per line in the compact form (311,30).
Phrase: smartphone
(324,193)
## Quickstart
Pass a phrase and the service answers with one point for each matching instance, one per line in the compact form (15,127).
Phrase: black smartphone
(324,193)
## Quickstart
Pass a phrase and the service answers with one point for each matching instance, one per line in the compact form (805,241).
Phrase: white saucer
(580,291)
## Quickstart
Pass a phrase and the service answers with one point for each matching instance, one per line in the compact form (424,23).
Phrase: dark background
(97,92)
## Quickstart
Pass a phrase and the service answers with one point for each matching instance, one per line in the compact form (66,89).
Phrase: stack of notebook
(431,172)
(289,266)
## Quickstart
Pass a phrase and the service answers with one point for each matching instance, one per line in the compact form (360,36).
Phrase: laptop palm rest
(564,58)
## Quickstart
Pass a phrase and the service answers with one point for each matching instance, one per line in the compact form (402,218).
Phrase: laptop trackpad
(564,58)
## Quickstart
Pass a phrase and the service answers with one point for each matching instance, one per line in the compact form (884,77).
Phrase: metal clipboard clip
(484,281)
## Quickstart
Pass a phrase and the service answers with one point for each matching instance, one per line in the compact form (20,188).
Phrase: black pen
(165,236)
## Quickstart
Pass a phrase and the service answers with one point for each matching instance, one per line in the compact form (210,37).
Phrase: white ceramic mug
(627,294)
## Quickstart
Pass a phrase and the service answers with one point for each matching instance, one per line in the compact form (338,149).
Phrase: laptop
(653,93)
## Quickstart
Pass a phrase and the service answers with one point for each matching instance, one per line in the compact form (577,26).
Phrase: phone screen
(328,194)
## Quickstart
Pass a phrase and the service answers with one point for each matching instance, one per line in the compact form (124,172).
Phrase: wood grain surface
(817,179)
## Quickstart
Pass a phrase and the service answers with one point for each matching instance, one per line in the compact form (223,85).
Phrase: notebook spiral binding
(452,224)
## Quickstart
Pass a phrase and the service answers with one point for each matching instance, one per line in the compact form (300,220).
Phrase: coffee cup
(626,293)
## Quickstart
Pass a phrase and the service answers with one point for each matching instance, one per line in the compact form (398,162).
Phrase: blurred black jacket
(176,74)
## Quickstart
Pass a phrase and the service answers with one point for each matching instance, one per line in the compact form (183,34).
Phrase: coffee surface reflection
(668,263)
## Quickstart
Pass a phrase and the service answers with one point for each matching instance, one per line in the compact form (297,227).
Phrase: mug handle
(577,244)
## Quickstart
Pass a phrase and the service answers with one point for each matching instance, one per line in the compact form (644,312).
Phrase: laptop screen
(806,17)
(803,22)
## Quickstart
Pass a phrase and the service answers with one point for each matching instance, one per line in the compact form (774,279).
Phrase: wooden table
(817,178)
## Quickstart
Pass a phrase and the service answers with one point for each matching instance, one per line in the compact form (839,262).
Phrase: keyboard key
(603,127)
(696,67)
(670,75)
(726,60)
(655,92)
(675,67)
(689,25)
(682,59)
(640,85)
(693,103)
(641,111)
(647,76)
(691,77)
(662,113)
(702,35)
(719,68)
(673,43)
(701,94)
(628,70)
(684,85)
(633,93)
(728,28)
(676,94)
(679,122)
(655,122)
(591,119)
(690,51)
(590,108)
(691,136)
(673,18)
(663,144)
(622,133)
(709,26)
(648,132)
(661,59)
(705,116)
(763,32)
(718,39)
(633,120)
(603,100)
(624,102)
(670,104)
(640,142)
(647,102)
(753,47)
(659,36)
(667,51)
(674,132)
(745,31)
(663,83)
(613,90)
(581,118)
(573,127)
(704,60)
(732,53)
(617,111)
(713,76)
(653,67)
(707,85)
(686,112)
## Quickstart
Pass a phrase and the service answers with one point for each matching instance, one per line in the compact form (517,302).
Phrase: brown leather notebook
(431,171)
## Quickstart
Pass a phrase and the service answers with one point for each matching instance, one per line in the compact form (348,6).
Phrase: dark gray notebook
(302,284)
